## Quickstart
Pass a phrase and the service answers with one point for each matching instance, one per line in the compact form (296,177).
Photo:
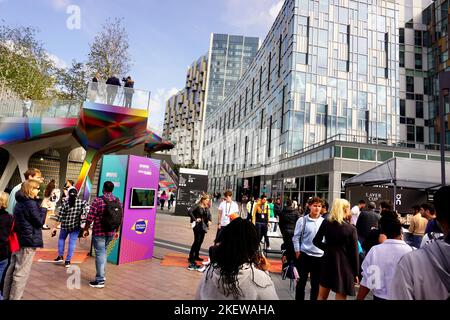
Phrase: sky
(165,36)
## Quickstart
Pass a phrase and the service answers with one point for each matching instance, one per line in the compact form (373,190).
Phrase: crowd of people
(349,250)
(32,207)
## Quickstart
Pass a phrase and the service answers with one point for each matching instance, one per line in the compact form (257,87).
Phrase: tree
(72,82)
(109,52)
(25,66)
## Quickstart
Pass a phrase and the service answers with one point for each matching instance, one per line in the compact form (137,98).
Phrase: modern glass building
(327,72)
(229,57)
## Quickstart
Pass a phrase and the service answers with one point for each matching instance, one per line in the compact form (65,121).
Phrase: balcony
(118,96)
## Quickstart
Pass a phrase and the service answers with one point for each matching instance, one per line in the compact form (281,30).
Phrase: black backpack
(112,215)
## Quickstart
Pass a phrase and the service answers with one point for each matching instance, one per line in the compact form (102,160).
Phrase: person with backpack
(106,212)
(424,274)
(71,215)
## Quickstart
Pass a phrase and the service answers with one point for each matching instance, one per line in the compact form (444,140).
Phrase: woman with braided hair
(235,272)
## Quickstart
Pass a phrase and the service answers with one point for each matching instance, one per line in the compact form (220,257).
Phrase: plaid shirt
(96,213)
(72,218)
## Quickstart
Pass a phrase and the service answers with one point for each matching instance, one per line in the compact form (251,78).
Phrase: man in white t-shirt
(356,210)
(227,210)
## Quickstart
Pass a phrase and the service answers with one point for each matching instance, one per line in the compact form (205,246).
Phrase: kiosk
(136,185)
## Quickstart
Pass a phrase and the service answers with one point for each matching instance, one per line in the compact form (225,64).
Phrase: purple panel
(138,230)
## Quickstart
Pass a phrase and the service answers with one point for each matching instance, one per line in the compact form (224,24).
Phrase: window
(384,155)
(402,59)
(419,134)
(401,35)
(419,109)
(401,154)
(402,108)
(410,133)
(367,154)
(409,84)
(322,182)
(310,183)
(418,61)
(350,153)
(418,38)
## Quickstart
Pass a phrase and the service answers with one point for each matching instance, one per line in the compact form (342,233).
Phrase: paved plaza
(146,280)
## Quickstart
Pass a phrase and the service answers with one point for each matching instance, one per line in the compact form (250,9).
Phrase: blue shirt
(305,243)
(12,199)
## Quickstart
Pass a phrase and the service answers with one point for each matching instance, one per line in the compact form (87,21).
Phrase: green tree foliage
(109,51)
(72,82)
(25,67)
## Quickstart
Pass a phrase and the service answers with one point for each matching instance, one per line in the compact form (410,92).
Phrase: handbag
(13,240)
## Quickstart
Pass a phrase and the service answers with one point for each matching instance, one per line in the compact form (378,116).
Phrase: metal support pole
(442,134)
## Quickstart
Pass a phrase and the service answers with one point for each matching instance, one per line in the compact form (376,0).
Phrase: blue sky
(165,36)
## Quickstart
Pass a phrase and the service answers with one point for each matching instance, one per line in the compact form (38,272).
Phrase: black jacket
(29,221)
(6,221)
(202,213)
(113,81)
(367,220)
(288,219)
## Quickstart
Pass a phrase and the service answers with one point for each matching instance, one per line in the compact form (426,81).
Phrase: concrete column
(335,186)
(64,159)
(8,173)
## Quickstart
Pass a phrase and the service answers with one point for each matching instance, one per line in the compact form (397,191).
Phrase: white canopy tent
(403,172)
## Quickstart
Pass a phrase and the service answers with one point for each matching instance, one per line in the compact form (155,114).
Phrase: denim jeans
(100,245)
(73,236)
(3,265)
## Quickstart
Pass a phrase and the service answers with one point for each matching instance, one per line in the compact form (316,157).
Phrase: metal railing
(119,96)
(39,108)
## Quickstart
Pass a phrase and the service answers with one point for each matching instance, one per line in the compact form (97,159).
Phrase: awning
(403,172)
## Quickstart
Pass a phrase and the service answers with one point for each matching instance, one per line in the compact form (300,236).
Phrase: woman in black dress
(340,264)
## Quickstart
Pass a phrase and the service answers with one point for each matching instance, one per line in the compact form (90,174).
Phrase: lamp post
(444,87)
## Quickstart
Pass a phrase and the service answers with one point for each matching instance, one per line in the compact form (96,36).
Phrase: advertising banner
(140,204)
(404,199)
(191,184)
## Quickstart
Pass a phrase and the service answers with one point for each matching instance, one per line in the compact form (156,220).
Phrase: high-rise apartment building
(208,82)
(185,113)
(322,101)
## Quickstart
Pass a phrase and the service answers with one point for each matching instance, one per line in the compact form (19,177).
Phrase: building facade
(184,115)
(328,74)
(208,81)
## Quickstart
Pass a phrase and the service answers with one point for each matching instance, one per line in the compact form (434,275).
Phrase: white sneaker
(207,262)
(203,268)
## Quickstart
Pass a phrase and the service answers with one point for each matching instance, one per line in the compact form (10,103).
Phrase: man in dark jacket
(367,221)
(113,84)
(128,91)
(29,221)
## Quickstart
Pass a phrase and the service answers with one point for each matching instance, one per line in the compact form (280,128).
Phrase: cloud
(158,108)
(251,16)
(59,4)
(59,63)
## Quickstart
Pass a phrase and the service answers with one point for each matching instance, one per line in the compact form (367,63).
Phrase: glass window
(418,156)
(409,84)
(401,35)
(401,154)
(322,182)
(419,134)
(367,154)
(384,155)
(402,59)
(322,57)
(337,152)
(418,60)
(349,153)
(402,108)
(418,38)
(419,109)
(310,183)
(410,133)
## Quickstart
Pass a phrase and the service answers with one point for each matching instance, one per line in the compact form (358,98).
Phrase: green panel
(337,152)
(402,154)
(384,155)
(418,156)
(367,154)
(434,158)
(350,153)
